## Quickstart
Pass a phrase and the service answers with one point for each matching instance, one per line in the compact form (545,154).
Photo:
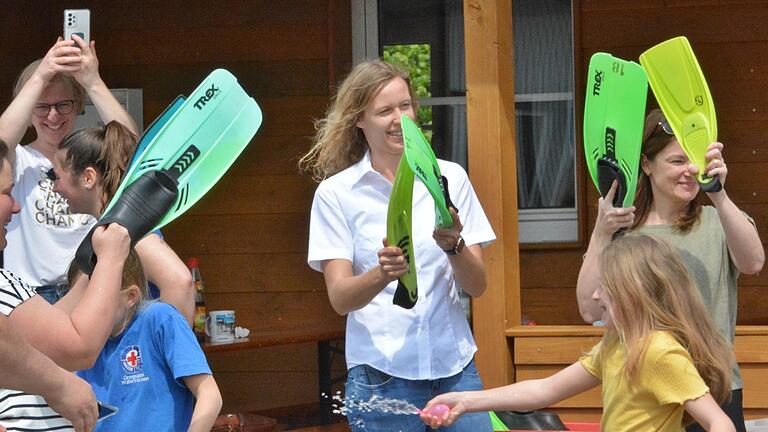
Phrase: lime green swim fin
(682,92)
(614,110)
(418,160)
(418,152)
(399,223)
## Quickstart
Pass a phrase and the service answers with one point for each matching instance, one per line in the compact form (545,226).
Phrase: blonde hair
(133,275)
(107,150)
(655,139)
(339,143)
(651,290)
(69,82)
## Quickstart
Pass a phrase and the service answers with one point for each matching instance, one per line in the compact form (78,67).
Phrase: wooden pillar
(492,168)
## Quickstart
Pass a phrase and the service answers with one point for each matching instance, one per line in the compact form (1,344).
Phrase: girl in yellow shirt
(662,363)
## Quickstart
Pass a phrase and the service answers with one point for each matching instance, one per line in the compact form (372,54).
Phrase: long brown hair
(339,143)
(651,290)
(107,150)
(655,139)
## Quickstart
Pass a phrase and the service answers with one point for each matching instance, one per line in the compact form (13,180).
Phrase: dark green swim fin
(614,112)
(187,156)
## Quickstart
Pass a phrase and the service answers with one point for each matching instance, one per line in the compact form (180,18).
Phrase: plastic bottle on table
(200,312)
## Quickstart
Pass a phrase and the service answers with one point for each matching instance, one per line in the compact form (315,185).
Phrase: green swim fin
(399,219)
(421,159)
(614,110)
(194,144)
(682,92)
(151,132)
(200,141)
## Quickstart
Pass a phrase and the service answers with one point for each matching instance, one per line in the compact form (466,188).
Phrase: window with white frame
(428,35)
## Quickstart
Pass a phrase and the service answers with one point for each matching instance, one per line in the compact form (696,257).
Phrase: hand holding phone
(77,22)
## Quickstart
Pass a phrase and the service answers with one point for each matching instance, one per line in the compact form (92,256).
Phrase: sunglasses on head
(666,128)
(51,175)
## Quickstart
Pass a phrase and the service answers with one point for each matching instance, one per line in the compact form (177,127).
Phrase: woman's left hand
(447,238)
(715,163)
(88,75)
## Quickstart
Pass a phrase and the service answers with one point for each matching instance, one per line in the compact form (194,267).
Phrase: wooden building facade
(250,231)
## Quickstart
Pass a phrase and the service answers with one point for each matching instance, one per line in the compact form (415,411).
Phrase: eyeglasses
(666,128)
(63,107)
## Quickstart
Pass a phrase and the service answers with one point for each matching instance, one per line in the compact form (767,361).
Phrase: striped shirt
(20,411)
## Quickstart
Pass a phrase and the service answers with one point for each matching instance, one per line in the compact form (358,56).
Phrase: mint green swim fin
(151,132)
(399,220)
(421,159)
(190,152)
(200,141)
(682,92)
(614,110)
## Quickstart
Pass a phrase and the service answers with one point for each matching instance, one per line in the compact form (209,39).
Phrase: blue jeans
(365,382)
(52,293)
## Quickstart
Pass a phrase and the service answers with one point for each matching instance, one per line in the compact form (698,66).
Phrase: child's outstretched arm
(708,414)
(521,396)
(208,403)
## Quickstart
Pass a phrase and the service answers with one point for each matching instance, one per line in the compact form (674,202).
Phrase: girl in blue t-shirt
(152,367)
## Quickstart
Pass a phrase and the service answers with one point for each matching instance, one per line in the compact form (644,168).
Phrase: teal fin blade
(399,233)
(614,110)
(149,135)
(421,159)
(683,95)
(200,141)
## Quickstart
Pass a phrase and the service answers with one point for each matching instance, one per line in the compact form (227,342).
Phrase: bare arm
(708,414)
(75,340)
(166,270)
(61,58)
(26,369)
(208,402)
(88,76)
(521,396)
(348,292)
(609,220)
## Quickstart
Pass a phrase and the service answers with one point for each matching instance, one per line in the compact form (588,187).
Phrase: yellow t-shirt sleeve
(673,378)
(590,362)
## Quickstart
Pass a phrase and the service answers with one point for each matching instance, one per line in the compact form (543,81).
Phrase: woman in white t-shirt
(394,353)
(49,95)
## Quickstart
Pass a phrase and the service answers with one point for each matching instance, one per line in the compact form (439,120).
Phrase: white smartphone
(77,22)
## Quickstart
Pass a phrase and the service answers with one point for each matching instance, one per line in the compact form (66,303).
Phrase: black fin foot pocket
(402,297)
(141,207)
(608,171)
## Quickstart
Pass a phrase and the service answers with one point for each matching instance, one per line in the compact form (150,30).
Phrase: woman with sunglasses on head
(48,95)
(717,242)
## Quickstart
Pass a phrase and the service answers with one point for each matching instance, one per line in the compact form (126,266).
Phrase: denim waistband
(56,287)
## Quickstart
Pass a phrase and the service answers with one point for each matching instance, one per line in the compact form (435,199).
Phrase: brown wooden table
(322,335)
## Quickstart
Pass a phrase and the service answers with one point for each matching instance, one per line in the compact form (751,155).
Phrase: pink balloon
(439,410)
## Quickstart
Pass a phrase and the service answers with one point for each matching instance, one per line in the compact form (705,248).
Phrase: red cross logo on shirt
(133,358)
(130,357)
